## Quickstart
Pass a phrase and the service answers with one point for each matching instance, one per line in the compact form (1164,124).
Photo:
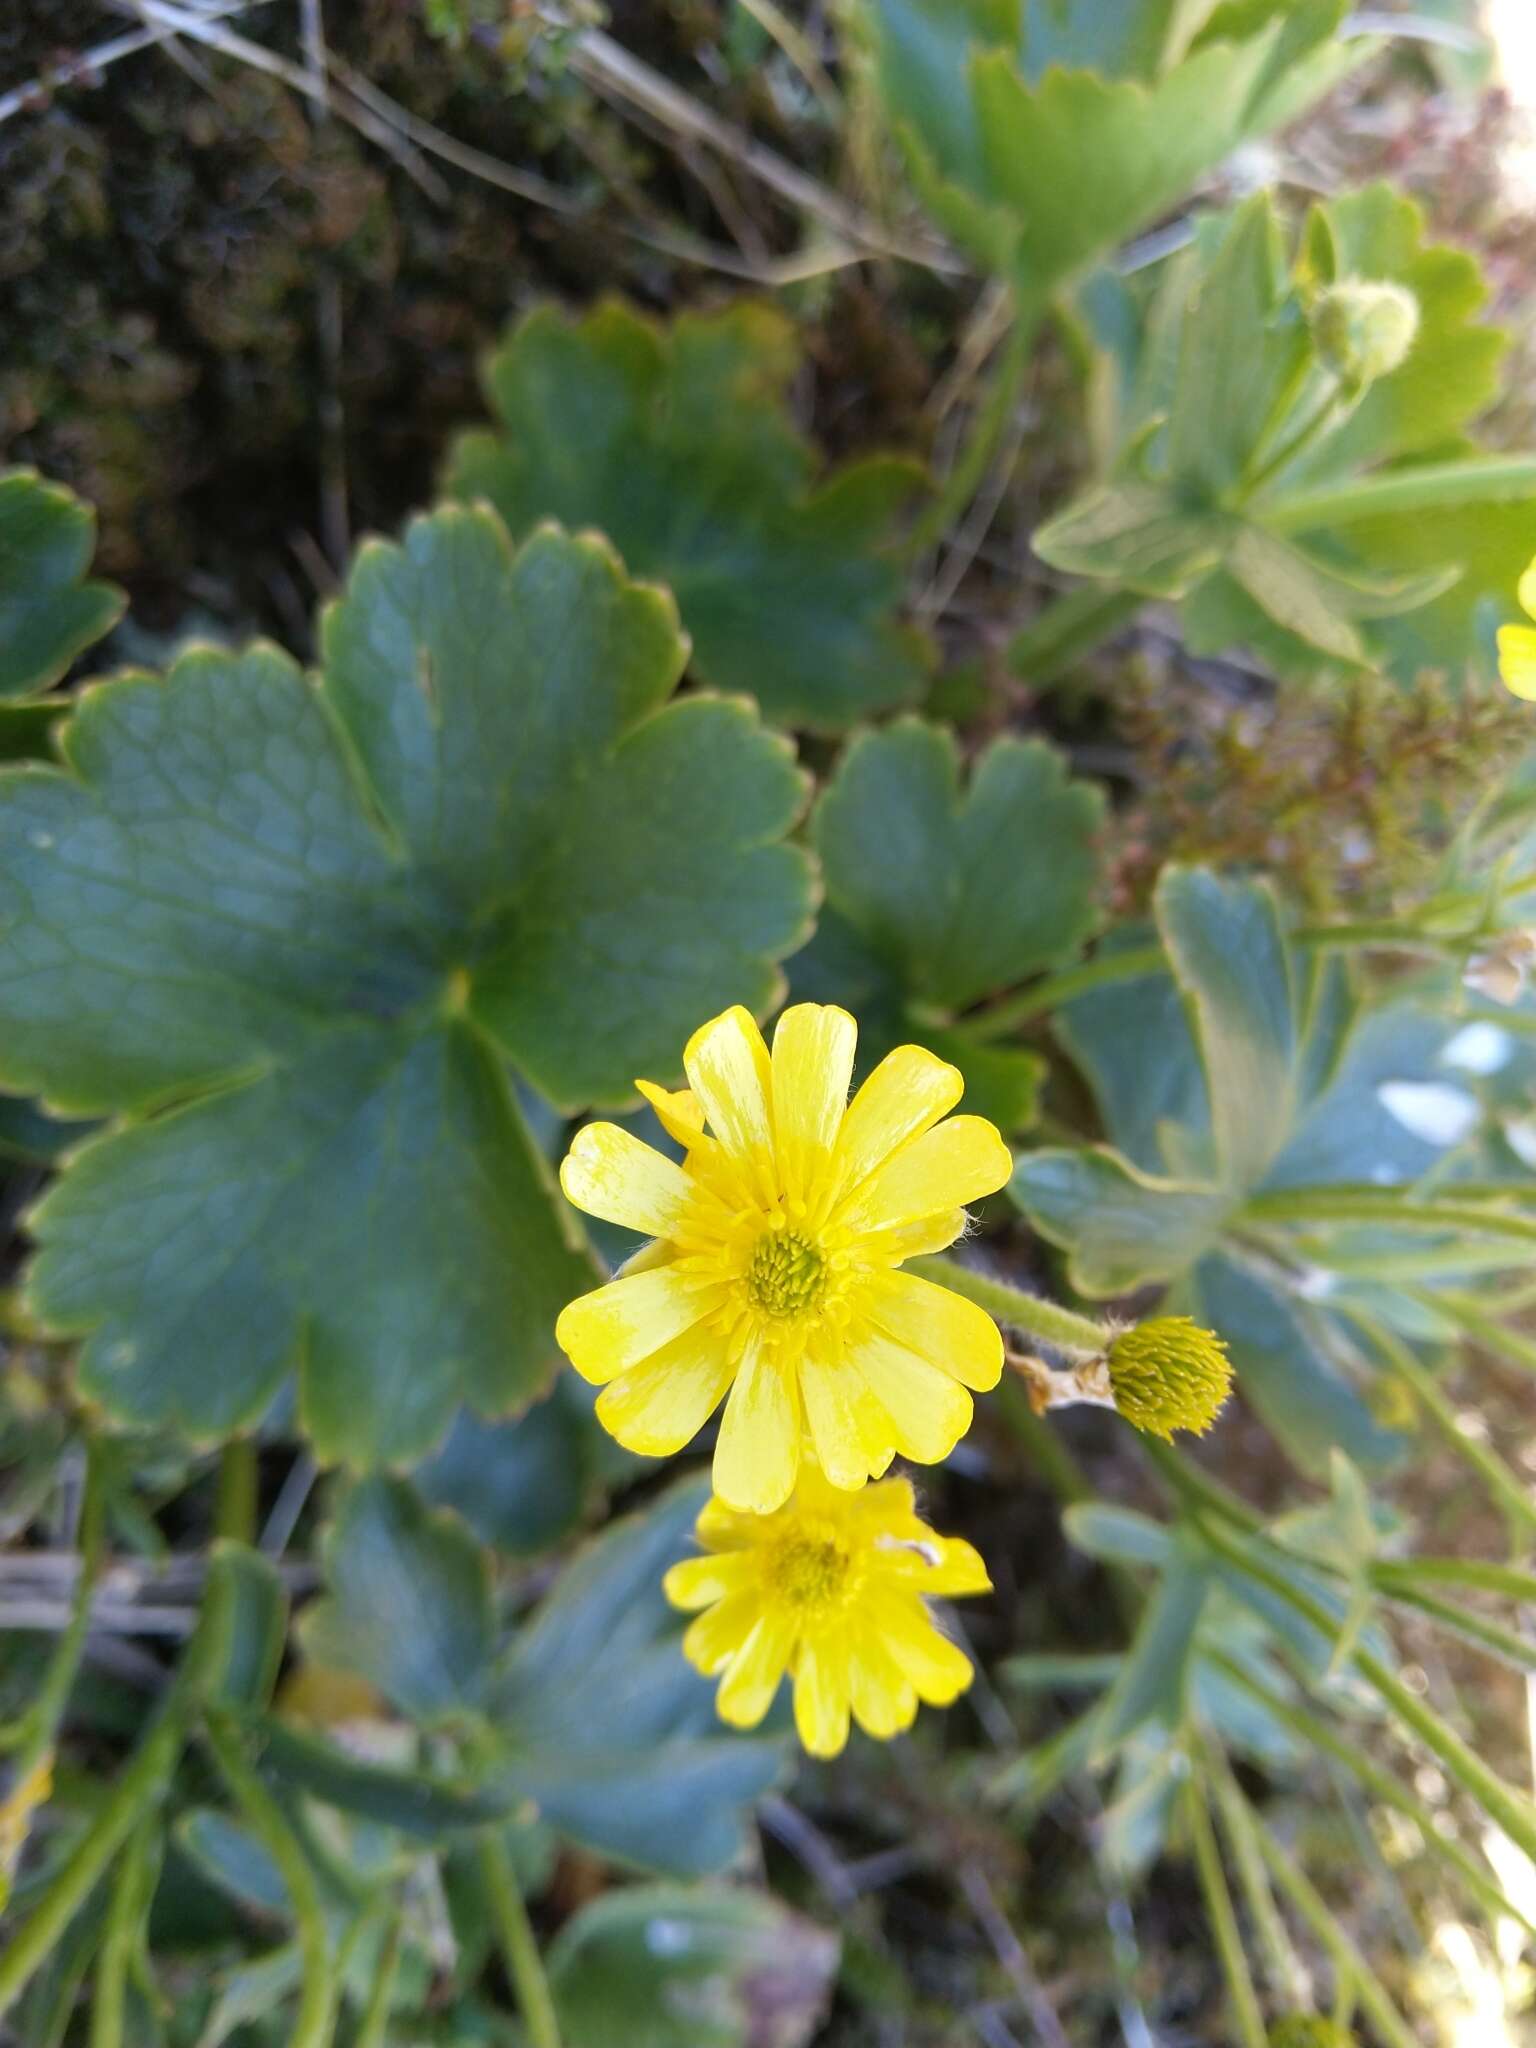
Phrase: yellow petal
(757,1453)
(722,1528)
(606,1332)
(821,1694)
(848,1427)
(929,1412)
(1517,660)
(934,1233)
(938,1325)
(678,1111)
(1525,590)
(884,1699)
(700,1581)
(713,1640)
(661,1404)
(608,1172)
(747,1689)
(908,1092)
(813,1047)
(727,1064)
(938,1668)
(936,1565)
(943,1169)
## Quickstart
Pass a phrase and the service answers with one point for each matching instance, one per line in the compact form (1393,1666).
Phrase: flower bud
(1362,329)
(1169,1374)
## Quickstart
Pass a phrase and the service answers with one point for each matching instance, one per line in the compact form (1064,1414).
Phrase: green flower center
(810,1569)
(787,1273)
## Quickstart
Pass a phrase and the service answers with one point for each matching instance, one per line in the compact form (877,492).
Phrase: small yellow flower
(1517,644)
(831,1589)
(773,1276)
(1169,1374)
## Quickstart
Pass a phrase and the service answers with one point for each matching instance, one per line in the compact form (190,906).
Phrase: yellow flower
(830,1589)
(1517,644)
(774,1277)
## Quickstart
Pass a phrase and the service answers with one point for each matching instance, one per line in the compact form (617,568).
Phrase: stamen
(787,1273)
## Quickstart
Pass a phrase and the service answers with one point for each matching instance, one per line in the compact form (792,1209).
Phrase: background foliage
(899,530)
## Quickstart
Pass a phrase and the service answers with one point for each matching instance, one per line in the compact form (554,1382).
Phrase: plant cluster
(323,995)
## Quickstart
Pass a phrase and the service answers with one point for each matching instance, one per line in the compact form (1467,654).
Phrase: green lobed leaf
(602,1722)
(1139,535)
(409,1607)
(1120,1227)
(673,1966)
(48,613)
(1229,956)
(524,1483)
(294,934)
(964,892)
(675,442)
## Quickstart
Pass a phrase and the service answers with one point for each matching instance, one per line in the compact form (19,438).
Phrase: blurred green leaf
(675,442)
(669,1966)
(409,1607)
(963,892)
(523,1484)
(48,612)
(228,1854)
(316,922)
(999,105)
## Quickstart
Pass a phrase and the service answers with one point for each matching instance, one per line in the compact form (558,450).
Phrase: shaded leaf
(1120,1227)
(669,1966)
(323,977)
(233,1859)
(963,892)
(410,1601)
(48,612)
(675,442)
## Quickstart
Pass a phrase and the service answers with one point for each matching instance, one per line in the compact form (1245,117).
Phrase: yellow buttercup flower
(773,1276)
(1517,644)
(831,1590)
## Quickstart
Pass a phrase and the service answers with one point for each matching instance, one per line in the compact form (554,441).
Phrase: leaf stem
(1241,1996)
(34,1735)
(235,1510)
(1349,1965)
(316,2020)
(988,425)
(1056,989)
(1519,1509)
(373,2027)
(1068,629)
(1430,486)
(1287,1973)
(126,1907)
(519,1950)
(1061,1328)
(1364,1205)
(140,1786)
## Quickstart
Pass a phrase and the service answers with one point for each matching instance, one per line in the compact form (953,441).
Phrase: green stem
(1400,938)
(1286,1972)
(989,424)
(519,1950)
(1491,1334)
(373,2027)
(316,2020)
(34,1735)
(1379,1783)
(1513,1812)
(235,1509)
(1061,1328)
(1197,1488)
(1349,1965)
(1365,1205)
(1068,629)
(139,1786)
(1429,487)
(1501,1482)
(1241,1996)
(127,1905)
(1056,989)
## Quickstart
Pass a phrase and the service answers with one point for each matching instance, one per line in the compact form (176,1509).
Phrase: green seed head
(1309,2030)
(1363,330)
(1169,1374)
